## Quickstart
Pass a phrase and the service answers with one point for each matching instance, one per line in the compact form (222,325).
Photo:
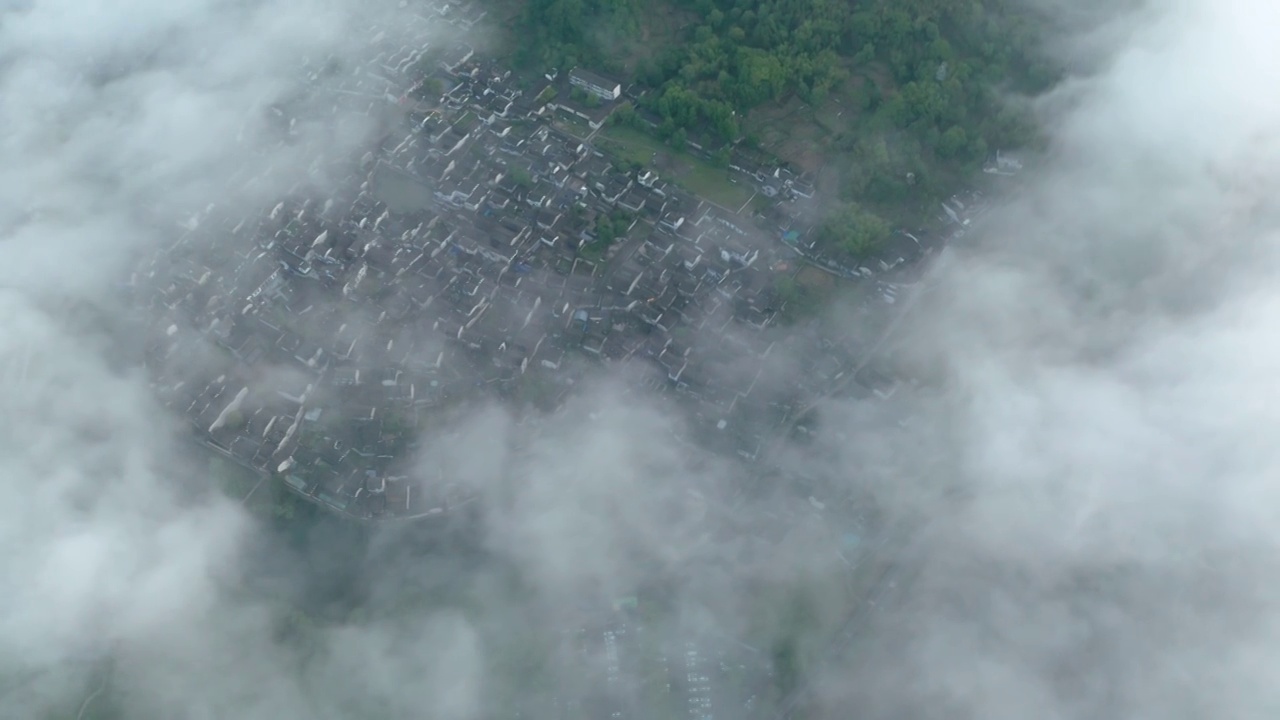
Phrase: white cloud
(1111,351)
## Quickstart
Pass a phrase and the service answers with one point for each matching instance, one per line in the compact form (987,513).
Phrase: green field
(631,144)
(698,176)
(714,184)
(572,124)
(234,480)
(547,95)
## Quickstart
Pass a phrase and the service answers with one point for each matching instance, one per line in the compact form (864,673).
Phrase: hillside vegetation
(900,100)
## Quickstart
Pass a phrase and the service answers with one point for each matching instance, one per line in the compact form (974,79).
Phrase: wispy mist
(1100,524)
(1088,481)
(120,120)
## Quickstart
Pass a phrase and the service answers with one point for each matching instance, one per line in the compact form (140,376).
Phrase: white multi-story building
(601,87)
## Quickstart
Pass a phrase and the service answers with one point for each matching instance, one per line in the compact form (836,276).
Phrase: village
(480,250)
(492,245)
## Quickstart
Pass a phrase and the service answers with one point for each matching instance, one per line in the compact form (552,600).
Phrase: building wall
(608,93)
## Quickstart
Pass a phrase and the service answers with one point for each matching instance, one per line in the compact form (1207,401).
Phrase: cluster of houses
(475,250)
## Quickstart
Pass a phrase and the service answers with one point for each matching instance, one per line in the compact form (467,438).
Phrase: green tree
(679,138)
(624,115)
(977,150)
(853,232)
(520,176)
(953,142)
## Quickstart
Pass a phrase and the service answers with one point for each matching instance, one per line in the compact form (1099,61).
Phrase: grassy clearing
(716,185)
(623,151)
(760,203)
(807,291)
(572,124)
(633,145)
(699,176)
(234,480)
(830,117)
(815,278)
(547,95)
(792,132)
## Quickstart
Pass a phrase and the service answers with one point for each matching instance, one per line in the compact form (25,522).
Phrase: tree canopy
(944,57)
(922,86)
(853,232)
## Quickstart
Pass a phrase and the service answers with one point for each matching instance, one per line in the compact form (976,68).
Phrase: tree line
(945,59)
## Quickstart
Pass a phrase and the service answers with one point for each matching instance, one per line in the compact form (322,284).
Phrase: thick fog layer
(118,116)
(1102,528)
(1091,494)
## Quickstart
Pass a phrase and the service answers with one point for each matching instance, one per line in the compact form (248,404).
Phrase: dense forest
(921,86)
